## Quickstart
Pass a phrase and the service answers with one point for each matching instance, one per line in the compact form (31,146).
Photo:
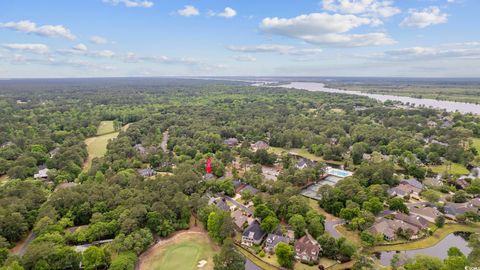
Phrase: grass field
(105,127)
(456,169)
(97,146)
(182,253)
(303,153)
(476,143)
(437,236)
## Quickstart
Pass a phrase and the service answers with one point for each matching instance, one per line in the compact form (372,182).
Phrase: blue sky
(89,38)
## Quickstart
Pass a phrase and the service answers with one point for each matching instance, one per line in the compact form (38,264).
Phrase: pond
(450,106)
(459,240)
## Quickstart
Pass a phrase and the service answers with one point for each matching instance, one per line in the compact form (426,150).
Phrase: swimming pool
(338,172)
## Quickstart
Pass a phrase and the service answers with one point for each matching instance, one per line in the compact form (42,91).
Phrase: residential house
(270,173)
(454,209)
(389,228)
(6,144)
(428,213)
(54,152)
(307,249)
(417,221)
(249,188)
(260,145)
(409,187)
(273,240)
(462,183)
(475,202)
(238,185)
(231,142)
(432,124)
(241,220)
(304,163)
(41,174)
(148,172)
(140,149)
(366,157)
(253,234)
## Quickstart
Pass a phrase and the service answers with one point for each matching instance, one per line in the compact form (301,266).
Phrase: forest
(44,124)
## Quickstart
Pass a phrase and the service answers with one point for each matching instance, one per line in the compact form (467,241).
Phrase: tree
(269,224)
(95,258)
(298,225)
(421,262)
(367,238)
(431,195)
(229,258)
(397,204)
(346,249)
(315,227)
(285,255)
(460,196)
(124,261)
(329,246)
(373,205)
(219,226)
(440,221)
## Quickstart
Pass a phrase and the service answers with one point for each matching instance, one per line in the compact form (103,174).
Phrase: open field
(181,252)
(476,143)
(314,204)
(303,153)
(3,179)
(455,168)
(105,127)
(437,236)
(97,146)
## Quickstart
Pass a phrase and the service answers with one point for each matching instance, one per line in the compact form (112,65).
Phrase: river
(450,106)
(439,250)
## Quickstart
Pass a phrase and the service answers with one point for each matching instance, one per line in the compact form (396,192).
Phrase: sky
(119,38)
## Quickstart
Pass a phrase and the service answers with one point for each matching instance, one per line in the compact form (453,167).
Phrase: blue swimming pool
(338,172)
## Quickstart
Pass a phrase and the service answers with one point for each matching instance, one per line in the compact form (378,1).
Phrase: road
(163,145)
(330,227)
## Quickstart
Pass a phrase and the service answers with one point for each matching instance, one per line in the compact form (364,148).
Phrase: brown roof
(307,245)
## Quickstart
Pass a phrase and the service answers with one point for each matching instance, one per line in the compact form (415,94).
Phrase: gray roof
(273,240)
(147,172)
(255,231)
(413,183)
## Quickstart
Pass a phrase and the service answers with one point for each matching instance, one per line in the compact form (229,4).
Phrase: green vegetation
(454,168)
(105,127)
(429,241)
(452,91)
(182,253)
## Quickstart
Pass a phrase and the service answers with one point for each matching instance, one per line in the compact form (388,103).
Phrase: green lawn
(183,253)
(476,143)
(97,147)
(456,168)
(105,127)
(437,236)
(301,152)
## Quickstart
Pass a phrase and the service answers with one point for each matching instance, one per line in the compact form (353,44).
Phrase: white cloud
(228,12)
(275,48)
(131,3)
(245,58)
(466,50)
(80,47)
(36,48)
(326,29)
(423,18)
(188,11)
(375,8)
(98,40)
(43,30)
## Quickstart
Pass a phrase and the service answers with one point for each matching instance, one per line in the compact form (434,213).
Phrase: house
(54,152)
(304,163)
(260,145)
(251,189)
(446,123)
(148,172)
(209,176)
(253,234)
(428,213)
(231,142)
(241,220)
(42,174)
(6,144)
(475,202)
(389,228)
(270,173)
(307,249)
(417,221)
(238,185)
(432,124)
(367,157)
(462,183)
(273,240)
(406,187)
(140,149)
(453,209)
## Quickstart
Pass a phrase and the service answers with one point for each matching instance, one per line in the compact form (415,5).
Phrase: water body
(450,106)
(439,250)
